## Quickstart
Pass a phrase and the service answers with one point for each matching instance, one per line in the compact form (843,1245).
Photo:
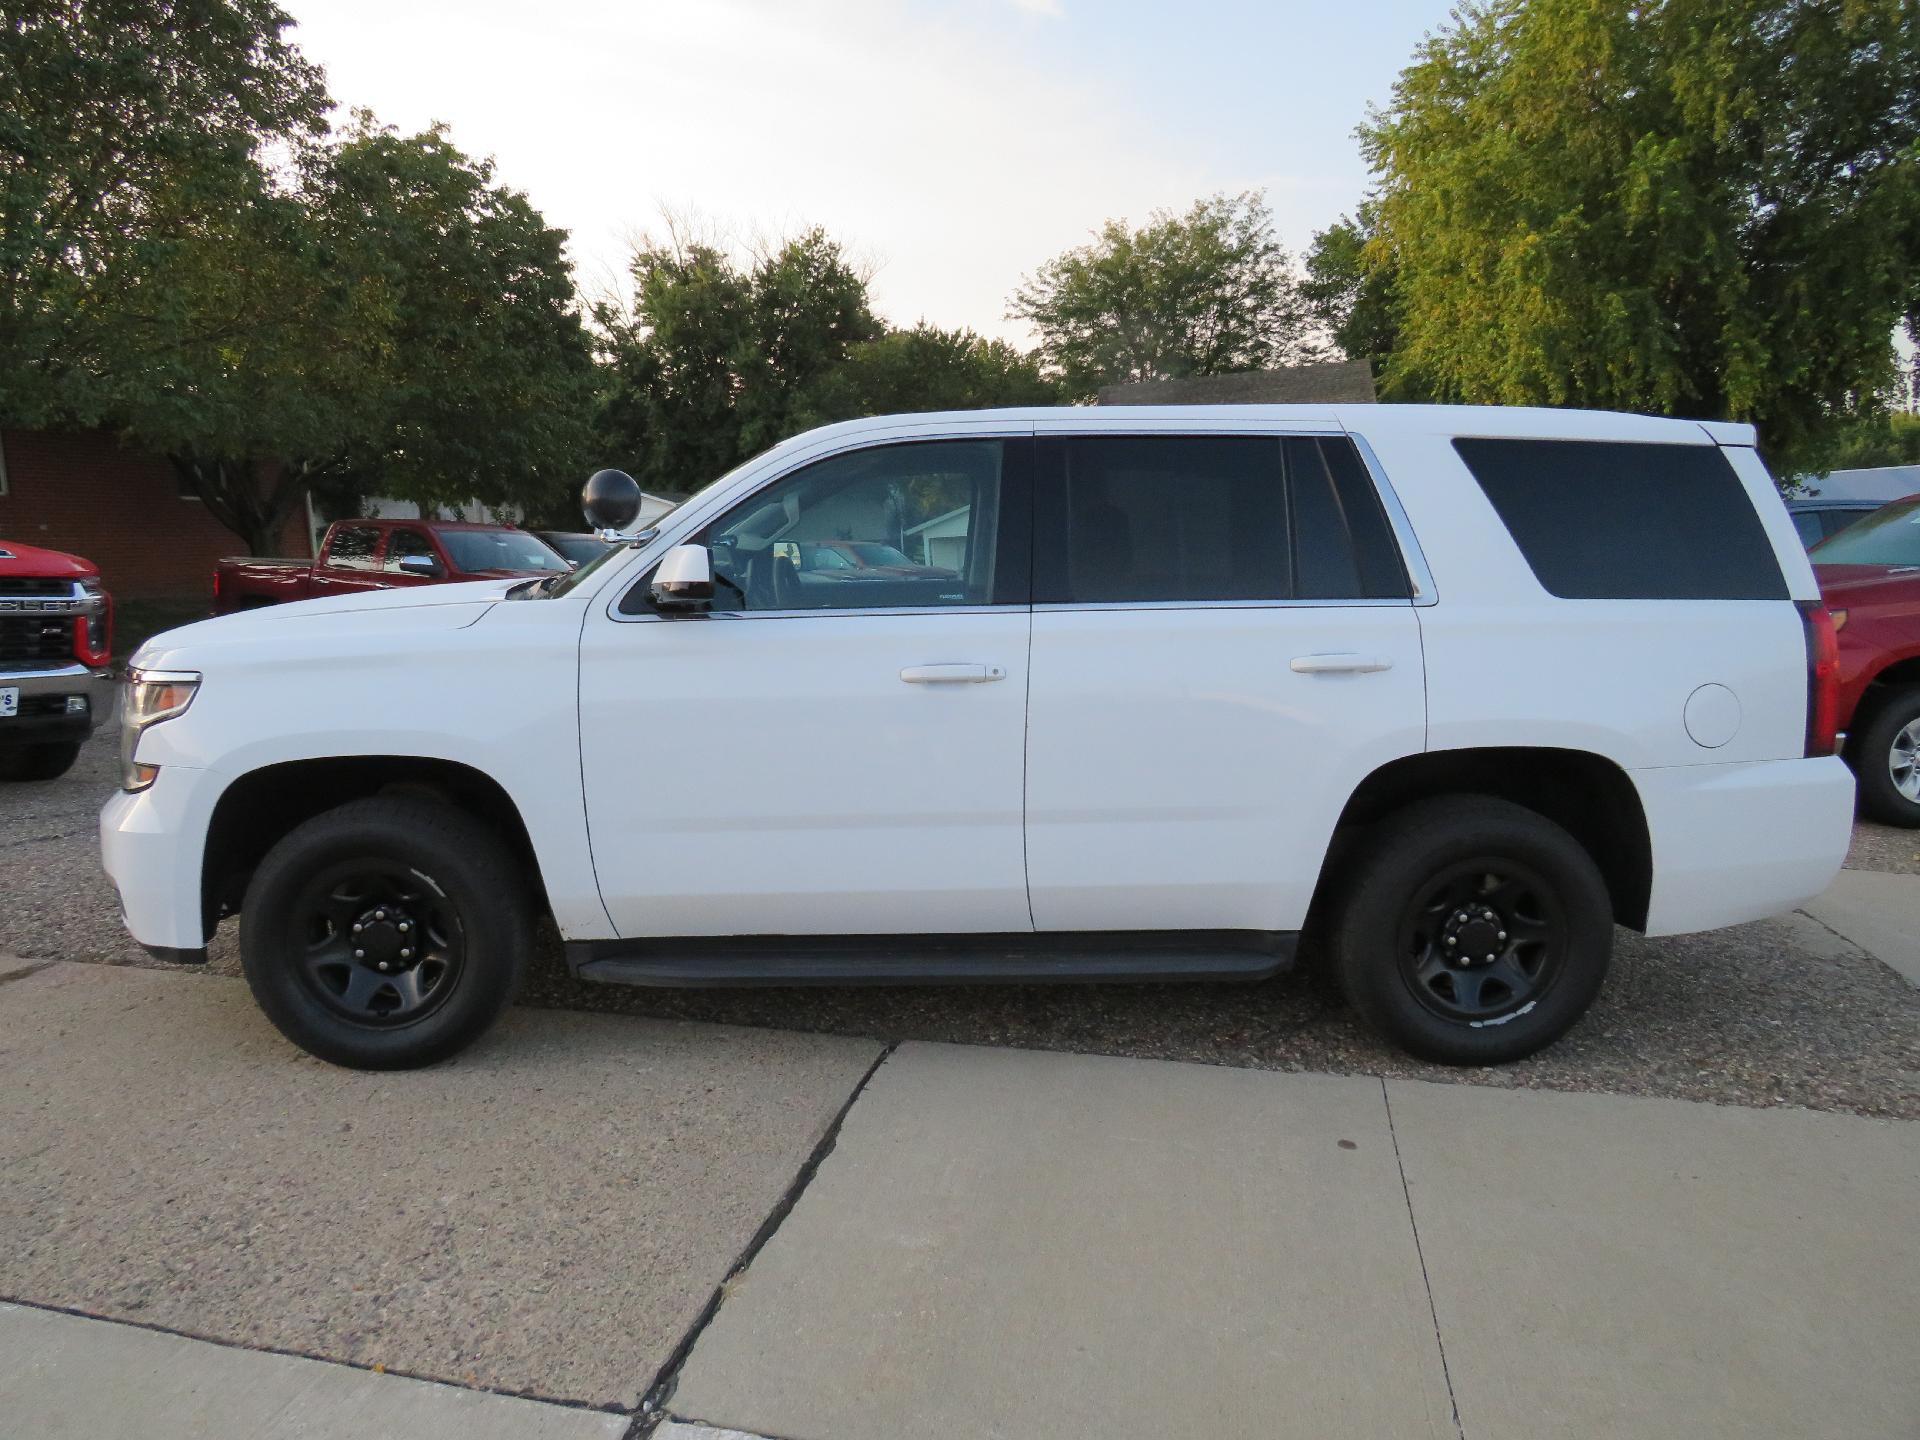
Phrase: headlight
(152,696)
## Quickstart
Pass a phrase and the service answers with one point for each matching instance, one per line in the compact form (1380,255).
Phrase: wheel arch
(1587,795)
(261,807)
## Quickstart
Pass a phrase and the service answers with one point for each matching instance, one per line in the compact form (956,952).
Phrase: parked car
(1870,576)
(1815,520)
(359,555)
(1460,689)
(56,644)
(575,547)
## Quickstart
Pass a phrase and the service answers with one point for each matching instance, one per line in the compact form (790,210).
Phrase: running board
(701,962)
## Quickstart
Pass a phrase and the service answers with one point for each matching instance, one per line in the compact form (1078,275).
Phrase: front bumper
(151,846)
(1740,842)
(45,715)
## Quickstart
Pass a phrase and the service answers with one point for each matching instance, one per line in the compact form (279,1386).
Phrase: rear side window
(1607,521)
(1194,518)
(353,547)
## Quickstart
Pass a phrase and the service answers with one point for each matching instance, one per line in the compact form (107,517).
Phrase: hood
(336,625)
(1842,585)
(30,561)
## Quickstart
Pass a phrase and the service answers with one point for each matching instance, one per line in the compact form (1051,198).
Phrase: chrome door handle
(952,674)
(1339,664)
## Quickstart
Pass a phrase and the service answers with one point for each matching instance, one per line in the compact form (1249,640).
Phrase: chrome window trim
(825,614)
(1411,555)
(1315,603)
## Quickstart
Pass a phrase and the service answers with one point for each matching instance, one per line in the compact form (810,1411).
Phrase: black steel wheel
(385,934)
(1472,931)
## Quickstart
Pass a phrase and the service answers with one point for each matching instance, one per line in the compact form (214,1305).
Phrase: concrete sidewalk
(1073,1246)
(63,1376)
(997,1242)
(1877,911)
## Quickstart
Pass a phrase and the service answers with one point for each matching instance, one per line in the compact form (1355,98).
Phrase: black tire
(1546,952)
(1871,754)
(427,870)
(46,761)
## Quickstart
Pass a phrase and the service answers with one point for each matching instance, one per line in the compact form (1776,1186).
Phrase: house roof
(1342,382)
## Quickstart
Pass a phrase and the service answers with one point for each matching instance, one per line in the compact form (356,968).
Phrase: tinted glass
(476,550)
(895,526)
(577,548)
(1606,521)
(1808,525)
(1160,518)
(402,544)
(1343,548)
(1889,536)
(353,547)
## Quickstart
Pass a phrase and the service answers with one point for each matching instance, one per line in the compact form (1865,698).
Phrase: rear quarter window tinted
(1605,521)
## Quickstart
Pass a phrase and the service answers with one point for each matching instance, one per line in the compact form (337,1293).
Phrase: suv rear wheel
(386,934)
(1885,756)
(1473,931)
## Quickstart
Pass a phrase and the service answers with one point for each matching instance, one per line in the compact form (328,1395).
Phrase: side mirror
(684,577)
(419,565)
(610,500)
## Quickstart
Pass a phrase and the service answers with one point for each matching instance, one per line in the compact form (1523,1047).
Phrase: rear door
(350,562)
(1224,646)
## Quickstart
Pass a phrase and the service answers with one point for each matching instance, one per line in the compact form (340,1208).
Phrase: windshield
(577,548)
(564,583)
(1889,536)
(472,550)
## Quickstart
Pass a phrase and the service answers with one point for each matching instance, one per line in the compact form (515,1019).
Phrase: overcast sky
(955,146)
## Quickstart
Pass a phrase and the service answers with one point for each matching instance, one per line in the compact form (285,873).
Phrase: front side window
(897,526)
(353,547)
(405,544)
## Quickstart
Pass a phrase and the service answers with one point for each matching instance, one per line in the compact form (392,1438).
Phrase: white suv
(1092,694)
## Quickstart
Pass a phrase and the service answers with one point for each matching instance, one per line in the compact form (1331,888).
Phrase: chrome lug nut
(1501,936)
(359,954)
(379,914)
(404,927)
(383,964)
(358,927)
(406,954)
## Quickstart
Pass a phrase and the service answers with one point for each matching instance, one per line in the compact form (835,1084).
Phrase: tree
(390,322)
(1873,441)
(713,363)
(122,124)
(1694,207)
(1350,293)
(1203,293)
(929,369)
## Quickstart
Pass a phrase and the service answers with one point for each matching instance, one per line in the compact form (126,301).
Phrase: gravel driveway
(1777,1013)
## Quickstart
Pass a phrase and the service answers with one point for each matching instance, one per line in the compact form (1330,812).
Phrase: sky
(953,147)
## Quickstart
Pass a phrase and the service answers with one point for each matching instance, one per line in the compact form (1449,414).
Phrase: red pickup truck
(56,641)
(382,554)
(1870,578)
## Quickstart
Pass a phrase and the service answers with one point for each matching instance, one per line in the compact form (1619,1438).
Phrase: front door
(1223,648)
(836,745)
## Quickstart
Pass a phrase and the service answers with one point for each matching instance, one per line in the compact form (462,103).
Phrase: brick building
(125,511)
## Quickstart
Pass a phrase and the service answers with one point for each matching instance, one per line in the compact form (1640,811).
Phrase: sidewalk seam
(32,969)
(1414,1225)
(651,1411)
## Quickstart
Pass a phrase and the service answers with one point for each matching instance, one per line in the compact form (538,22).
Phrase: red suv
(1870,577)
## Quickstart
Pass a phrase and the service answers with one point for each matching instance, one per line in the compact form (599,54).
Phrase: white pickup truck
(1091,694)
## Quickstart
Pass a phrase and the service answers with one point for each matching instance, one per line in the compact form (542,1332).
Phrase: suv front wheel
(385,934)
(1473,931)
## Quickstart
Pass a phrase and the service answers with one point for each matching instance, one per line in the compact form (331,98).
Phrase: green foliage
(390,322)
(1203,293)
(714,363)
(1349,292)
(1874,440)
(928,369)
(122,124)
(1696,207)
